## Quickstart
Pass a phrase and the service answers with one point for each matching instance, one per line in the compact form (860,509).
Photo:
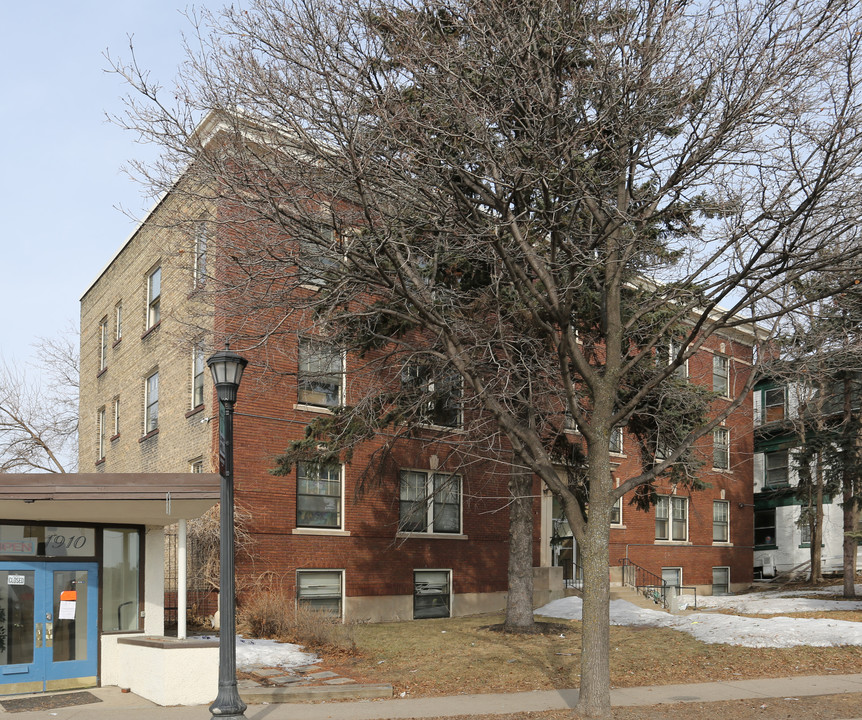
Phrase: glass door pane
(70,615)
(16,616)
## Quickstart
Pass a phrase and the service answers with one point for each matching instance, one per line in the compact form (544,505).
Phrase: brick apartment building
(337,538)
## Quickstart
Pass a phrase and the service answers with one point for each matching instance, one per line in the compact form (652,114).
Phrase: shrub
(272,614)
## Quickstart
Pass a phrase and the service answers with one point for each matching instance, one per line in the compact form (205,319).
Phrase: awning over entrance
(127,498)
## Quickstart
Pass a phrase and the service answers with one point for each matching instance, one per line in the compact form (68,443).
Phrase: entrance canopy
(127,498)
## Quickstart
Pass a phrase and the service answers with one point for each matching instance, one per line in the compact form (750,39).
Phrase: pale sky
(61,184)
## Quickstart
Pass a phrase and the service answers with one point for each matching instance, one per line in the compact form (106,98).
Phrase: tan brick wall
(166,348)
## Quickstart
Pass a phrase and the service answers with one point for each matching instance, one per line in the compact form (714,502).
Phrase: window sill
(333,532)
(194,411)
(100,462)
(101,372)
(672,542)
(616,526)
(723,471)
(766,547)
(617,454)
(457,429)
(721,543)
(114,438)
(151,329)
(150,434)
(314,408)
(430,536)
(116,342)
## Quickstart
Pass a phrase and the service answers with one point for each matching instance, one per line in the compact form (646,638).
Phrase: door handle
(38,635)
(49,634)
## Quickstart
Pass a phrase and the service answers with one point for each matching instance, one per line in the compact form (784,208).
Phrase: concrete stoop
(631,595)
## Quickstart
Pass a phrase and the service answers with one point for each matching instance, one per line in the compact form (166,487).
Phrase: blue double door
(48,626)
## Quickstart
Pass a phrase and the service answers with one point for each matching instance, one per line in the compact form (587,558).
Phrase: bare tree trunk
(851,519)
(519,601)
(595,699)
(816,525)
(850,480)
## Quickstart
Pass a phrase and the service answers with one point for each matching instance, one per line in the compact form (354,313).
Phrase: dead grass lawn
(460,655)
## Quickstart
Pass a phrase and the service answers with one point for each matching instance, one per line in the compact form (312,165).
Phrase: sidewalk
(126,706)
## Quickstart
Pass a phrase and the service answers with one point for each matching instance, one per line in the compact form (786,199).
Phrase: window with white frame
(721,375)
(199,271)
(617,512)
(777,468)
(720,580)
(116,416)
(103,344)
(805,533)
(430,502)
(672,578)
(616,444)
(118,322)
(196,466)
(439,394)
(671,518)
(320,381)
(432,596)
(720,521)
(673,349)
(198,365)
(154,297)
(320,590)
(151,403)
(721,449)
(318,495)
(101,430)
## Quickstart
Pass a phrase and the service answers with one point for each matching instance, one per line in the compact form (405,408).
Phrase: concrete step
(635,598)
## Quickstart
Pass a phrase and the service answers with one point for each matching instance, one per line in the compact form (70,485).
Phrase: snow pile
(775,632)
(252,653)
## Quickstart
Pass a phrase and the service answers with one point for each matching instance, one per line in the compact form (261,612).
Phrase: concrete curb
(317,693)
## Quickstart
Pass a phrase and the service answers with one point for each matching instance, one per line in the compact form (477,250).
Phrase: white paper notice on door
(67,610)
(15,580)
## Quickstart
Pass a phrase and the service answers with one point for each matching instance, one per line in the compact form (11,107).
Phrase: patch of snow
(735,630)
(254,652)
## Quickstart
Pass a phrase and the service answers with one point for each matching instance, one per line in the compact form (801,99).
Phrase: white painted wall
(154,580)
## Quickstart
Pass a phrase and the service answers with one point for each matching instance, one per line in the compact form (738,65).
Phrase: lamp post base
(228,705)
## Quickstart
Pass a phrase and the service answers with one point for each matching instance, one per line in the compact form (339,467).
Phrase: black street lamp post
(226,368)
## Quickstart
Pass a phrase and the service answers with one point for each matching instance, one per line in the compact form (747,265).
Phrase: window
(617,512)
(198,365)
(103,344)
(773,404)
(721,449)
(318,495)
(431,594)
(805,533)
(668,355)
(199,271)
(671,518)
(320,590)
(720,580)
(118,322)
(196,466)
(116,416)
(318,259)
(764,527)
(439,394)
(721,375)
(430,502)
(151,403)
(720,521)
(321,374)
(101,429)
(672,578)
(777,468)
(616,441)
(154,295)
(121,563)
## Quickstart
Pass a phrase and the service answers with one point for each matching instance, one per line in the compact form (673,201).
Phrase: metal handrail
(642,580)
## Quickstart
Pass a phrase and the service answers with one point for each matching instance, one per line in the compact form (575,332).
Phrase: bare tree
(39,416)
(540,196)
